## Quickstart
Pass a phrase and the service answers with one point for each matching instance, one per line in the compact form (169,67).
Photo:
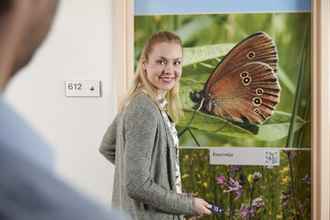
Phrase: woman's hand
(200,207)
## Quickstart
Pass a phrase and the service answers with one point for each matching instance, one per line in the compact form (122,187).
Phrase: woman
(142,141)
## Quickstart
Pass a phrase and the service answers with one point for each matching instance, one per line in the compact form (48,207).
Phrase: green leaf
(212,124)
(273,132)
(197,72)
(198,54)
(282,117)
(286,81)
(274,129)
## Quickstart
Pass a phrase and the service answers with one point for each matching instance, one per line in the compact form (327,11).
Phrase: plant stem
(298,95)
(251,198)
(290,141)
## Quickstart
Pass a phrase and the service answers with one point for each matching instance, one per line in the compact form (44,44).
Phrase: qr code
(272,158)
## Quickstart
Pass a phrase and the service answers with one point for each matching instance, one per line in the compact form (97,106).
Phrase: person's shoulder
(56,196)
(141,102)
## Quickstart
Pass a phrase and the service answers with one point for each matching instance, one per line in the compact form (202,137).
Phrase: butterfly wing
(258,47)
(246,93)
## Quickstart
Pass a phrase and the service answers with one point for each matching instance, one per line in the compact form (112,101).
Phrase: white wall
(78,48)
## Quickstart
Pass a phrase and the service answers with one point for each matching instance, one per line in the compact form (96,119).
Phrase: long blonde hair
(140,81)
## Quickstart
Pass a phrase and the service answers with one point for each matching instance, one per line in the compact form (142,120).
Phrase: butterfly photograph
(244,87)
(245,77)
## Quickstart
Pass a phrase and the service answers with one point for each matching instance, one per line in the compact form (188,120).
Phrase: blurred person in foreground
(29,188)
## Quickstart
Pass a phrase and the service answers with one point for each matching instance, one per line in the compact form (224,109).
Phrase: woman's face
(164,66)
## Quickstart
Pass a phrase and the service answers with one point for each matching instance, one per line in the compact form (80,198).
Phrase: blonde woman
(142,141)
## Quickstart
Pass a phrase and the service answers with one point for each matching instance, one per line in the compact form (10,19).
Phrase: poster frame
(123,71)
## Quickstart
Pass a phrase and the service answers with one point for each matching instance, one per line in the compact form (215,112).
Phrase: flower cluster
(246,212)
(233,183)
(230,185)
(252,178)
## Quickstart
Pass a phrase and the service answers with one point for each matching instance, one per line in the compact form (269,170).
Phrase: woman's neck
(161,93)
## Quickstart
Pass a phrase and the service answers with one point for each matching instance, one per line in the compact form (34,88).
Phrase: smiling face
(163,67)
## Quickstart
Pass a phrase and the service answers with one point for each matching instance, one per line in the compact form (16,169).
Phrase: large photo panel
(245,138)
(246,72)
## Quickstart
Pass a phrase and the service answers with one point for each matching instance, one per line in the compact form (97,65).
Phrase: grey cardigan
(138,142)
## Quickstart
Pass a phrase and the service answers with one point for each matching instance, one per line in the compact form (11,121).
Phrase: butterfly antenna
(199,108)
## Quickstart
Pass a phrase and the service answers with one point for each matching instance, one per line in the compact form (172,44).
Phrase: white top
(171,125)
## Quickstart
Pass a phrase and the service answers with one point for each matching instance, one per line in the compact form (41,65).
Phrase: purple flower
(244,212)
(235,187)
(221,180)
(306,179)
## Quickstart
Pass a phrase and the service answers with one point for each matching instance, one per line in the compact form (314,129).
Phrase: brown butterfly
(244,87)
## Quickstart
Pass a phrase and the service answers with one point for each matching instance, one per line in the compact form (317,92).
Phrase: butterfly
(244,87)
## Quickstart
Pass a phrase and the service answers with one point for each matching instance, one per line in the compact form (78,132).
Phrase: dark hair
(5,6)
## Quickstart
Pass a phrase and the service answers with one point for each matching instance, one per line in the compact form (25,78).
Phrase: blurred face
(164,66)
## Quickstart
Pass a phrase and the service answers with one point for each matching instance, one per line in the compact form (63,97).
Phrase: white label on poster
(256,156)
